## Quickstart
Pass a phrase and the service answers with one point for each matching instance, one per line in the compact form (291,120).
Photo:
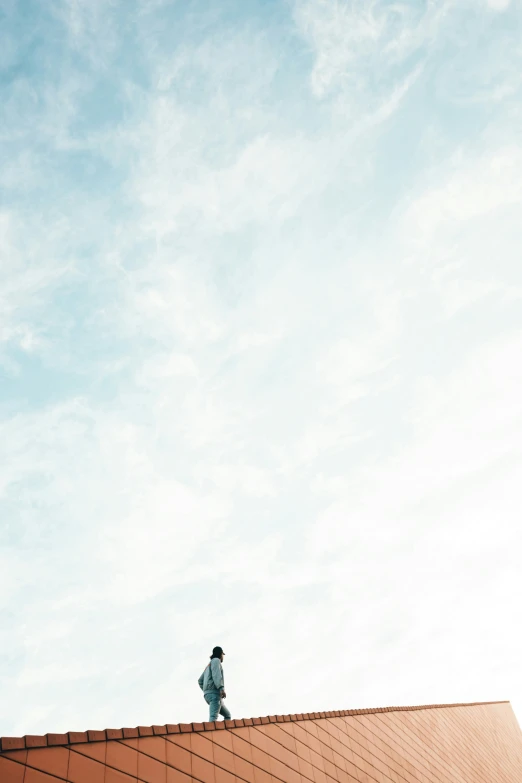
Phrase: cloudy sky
(260,354)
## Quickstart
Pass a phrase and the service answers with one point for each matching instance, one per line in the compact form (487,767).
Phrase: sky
(260,356)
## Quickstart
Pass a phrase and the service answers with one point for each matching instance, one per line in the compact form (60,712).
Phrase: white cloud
(240,479)
(91,27)
(359,46)
(266,181)
(263,361)
(164,367)
(476,189)
(460,233)
(499,5)
(26,280)
(181,527)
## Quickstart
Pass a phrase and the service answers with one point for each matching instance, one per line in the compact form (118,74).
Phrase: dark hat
(217,652)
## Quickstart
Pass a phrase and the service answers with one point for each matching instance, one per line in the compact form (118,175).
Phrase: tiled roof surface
(73,737)
(469,743)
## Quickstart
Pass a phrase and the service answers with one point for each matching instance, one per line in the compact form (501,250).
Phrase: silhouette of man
(212,683)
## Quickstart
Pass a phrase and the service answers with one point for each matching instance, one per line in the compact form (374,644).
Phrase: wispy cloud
(259,333)
(366,50)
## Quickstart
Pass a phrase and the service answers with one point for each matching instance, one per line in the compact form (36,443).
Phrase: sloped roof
(72,737)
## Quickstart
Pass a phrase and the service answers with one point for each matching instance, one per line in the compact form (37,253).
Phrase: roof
(72,737)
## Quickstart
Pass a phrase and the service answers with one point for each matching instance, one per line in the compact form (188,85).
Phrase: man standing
(212,683)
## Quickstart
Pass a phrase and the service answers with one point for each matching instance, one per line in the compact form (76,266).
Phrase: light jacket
(212,678)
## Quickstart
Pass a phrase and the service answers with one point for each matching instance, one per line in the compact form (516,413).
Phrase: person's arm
(201,680)
(217,674)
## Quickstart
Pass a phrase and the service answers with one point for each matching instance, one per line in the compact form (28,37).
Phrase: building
(458,743)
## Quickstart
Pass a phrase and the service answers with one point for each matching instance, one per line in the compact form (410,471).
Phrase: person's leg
(224,711)
(213,700)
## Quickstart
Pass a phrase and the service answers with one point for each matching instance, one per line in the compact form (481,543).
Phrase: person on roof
(212,683)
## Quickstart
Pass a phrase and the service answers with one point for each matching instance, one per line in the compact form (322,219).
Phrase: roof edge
(52,740)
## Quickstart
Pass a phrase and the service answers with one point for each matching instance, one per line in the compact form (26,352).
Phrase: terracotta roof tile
(35,741)
(113,734)
(78,736)
(73,737)
(96,736)
(12,743)
(159,730)
(130,733)
(57,739)
(145,731)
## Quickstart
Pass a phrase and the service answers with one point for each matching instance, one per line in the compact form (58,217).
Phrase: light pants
(215,702)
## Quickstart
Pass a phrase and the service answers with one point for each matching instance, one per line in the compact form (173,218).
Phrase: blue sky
(260,340)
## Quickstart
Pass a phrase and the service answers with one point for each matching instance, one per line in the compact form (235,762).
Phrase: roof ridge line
(73,737)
